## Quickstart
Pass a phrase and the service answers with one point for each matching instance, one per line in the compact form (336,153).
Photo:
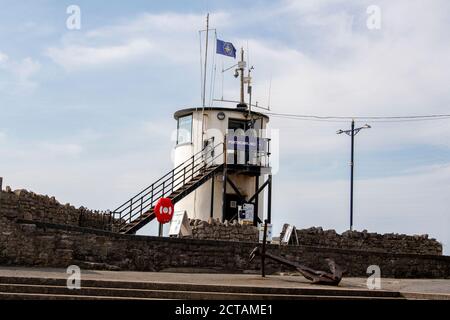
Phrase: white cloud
(3,58)
(26,69)
(73,170)
(158,128)
(2,136)
(329,64)
(398,70)
(62,149)
(414,204)
(168,37)
(73,57)
(18,74)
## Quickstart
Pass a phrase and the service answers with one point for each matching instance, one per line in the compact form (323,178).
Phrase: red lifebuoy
(164,210)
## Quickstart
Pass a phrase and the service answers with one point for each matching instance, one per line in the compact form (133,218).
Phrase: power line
(305,119)
(361,118)
(386,119)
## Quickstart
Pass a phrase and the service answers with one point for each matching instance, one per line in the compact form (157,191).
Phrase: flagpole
(242,76)
(204,79)
(206,61)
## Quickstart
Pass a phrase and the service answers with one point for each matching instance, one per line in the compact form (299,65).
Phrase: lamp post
(352,133)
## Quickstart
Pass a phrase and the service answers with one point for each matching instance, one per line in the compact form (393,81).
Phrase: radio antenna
(270,91)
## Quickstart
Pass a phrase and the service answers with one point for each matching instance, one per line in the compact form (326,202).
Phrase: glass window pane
(184,129)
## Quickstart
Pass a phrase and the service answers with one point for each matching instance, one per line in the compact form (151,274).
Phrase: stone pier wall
(29,243)
(38,231)
(27,205)
(215,230)
(390,242)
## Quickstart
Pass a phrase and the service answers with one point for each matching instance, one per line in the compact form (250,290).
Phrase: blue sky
(87,115)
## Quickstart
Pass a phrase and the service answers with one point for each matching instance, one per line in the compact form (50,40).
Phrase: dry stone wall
(50,245)
(38,231)
(392,243)
(215,230)
(27,205)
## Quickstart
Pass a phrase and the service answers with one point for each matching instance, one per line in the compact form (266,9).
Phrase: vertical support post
(151,197)
(352,133)
(163,188)
(131,209)
(255,214)
(224,149)
(173,178)
(263,254)
(235,155)
(269,200)
(258,158)
(160,230)
(192,173)
(212,197)
(1,183)
(351,173)
(224,192)
(247,150)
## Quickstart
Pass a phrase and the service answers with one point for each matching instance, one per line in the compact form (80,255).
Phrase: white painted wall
(198,203)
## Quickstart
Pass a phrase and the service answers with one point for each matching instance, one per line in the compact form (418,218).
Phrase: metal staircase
(176,184)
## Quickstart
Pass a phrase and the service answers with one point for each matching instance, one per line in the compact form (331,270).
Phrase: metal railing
(167,184)
(247,150)
(185,172)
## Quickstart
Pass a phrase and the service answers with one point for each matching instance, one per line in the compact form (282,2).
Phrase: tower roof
(246,112)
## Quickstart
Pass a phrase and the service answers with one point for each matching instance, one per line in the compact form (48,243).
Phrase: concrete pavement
(408,287)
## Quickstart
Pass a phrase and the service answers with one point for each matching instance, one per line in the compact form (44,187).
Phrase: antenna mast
(249,89)
(241,68)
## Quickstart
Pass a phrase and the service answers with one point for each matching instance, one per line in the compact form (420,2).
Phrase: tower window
(235,124)
(184,130)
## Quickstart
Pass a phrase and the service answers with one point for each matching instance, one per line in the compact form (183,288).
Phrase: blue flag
(225,48)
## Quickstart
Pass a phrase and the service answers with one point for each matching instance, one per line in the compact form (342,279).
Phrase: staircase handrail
(126,212)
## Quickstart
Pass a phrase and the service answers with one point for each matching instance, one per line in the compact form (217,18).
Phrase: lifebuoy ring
(164,210)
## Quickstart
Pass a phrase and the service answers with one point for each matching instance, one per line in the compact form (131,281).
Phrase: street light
(352,133)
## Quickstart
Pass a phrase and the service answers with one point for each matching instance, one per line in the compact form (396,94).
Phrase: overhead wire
(386,119)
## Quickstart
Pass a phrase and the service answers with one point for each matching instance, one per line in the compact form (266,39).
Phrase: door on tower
(232,202)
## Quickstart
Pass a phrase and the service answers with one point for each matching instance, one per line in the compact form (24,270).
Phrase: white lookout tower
(221,168)
(226,152)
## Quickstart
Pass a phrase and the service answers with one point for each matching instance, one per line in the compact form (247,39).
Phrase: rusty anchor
(331,278)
